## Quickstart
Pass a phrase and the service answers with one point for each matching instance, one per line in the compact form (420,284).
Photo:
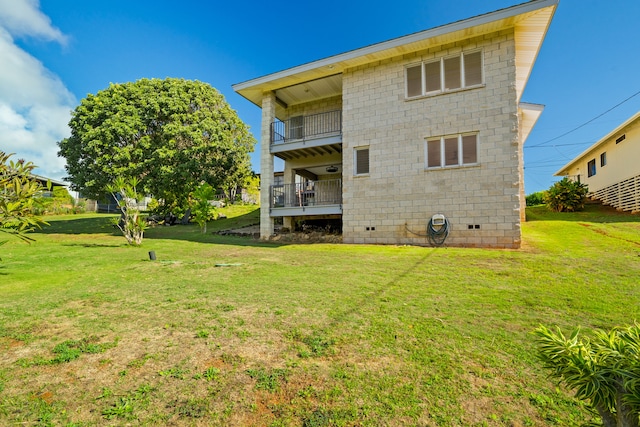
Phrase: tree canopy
(170,134)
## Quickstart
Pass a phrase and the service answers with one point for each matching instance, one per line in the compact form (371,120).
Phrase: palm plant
(603,371)
(131,222)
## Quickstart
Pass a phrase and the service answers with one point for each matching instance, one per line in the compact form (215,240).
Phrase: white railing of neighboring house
(623,195)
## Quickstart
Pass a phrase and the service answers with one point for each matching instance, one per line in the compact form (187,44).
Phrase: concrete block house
(610,167)
(384,137)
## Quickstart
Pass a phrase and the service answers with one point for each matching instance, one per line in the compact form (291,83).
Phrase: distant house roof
(54,182)
(320,79)
(565,169)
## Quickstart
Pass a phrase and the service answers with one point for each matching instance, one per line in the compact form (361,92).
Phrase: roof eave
(253,89)
(597,144)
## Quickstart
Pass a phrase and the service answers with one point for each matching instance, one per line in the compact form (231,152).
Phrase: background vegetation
(230,331)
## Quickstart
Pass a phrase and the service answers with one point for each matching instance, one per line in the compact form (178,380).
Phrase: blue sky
(55,52)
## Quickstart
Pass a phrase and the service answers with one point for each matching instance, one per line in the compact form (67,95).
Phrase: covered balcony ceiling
(313,90)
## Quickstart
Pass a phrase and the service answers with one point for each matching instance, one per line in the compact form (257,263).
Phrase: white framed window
(445,74)
(451,150)
(361,161)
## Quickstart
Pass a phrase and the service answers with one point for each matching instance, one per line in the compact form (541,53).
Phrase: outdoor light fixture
(332,169)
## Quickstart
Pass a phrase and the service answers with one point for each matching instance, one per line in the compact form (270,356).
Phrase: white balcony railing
(312,193)
(306,127)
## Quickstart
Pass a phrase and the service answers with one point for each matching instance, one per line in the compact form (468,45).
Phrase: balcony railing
(312,193)
(306,127)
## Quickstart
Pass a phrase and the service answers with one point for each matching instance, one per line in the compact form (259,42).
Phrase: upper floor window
(603,159)
(591,168)
(445,74)
(452,150)
(361,161)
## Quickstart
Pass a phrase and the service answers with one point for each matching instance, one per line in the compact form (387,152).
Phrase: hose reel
(438,229)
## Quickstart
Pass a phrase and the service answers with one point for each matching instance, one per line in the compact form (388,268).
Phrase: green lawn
(231,331)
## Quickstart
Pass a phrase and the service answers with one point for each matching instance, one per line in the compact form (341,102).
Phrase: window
(414,81)
(445,74)
(362,161)
(591,168)
(603,159)
(452,150)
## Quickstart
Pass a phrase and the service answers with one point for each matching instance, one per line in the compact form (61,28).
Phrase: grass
(94,333)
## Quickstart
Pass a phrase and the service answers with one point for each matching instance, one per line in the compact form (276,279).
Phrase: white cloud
(23,18)
(35,105)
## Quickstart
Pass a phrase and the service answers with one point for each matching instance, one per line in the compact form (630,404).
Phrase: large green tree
(170,134)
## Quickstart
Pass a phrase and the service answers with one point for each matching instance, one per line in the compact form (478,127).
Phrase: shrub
(535,199)
(603,371)
(131,223)
(566,196)
(203,210)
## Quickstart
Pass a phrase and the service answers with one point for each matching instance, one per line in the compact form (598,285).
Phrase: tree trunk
(608,419)
(626,416)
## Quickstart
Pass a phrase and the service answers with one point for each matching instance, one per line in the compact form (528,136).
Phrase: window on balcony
(361,161)
(444,74)
(452,150)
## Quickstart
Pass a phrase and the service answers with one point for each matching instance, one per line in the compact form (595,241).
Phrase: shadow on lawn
(91,245)
(592,212)
(101,224)
(98,224)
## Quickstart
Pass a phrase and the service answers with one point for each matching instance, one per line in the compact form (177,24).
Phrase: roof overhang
(44,181)
(565,169)
(317,79)
(529,113)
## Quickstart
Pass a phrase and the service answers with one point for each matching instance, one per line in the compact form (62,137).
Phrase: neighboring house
(611,167)
(386,136)
(48,183)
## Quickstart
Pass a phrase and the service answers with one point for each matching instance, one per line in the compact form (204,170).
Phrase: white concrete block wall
(400,193)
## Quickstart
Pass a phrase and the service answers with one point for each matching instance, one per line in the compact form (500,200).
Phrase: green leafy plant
(18,201)
(535,199)
(125,406)
(566,196)
(174,132)
(131,222)
(318,345)
(268,380)
(211,373)
(70,350)
(603,371)
(203,210)
(174,372)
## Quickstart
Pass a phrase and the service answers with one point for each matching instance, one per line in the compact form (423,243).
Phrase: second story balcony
(306,132)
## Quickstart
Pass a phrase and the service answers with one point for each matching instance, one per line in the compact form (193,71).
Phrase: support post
(266,164)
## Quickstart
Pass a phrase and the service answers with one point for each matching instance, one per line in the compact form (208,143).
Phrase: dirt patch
(285,237)
(312,237)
